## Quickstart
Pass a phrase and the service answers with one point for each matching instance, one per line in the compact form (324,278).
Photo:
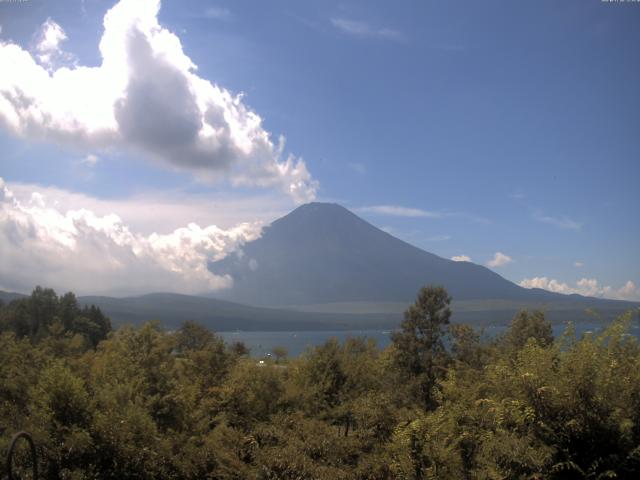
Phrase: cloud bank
(585,286)
(89,253)
(144,97)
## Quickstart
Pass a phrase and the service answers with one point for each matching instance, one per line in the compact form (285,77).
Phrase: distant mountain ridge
(324,268)
(171,309)
(8,297)
(323,253)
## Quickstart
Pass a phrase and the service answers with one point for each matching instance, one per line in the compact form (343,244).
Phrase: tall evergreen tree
(419,350)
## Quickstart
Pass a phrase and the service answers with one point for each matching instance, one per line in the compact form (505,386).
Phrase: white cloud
(89,253)
(358,28)
(546,284)
(225,209)
(560,222)
(51,36)
(588,287)
(144,97)
(48,50)
(461,258)
(579,264)
(90,160)
(499,259)
(398,211)
(628,291)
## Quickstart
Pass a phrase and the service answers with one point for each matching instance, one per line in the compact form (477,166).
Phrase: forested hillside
(147,403)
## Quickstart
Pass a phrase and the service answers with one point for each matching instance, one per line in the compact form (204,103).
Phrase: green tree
(525,326)
(43,306)
(193,336)
(279,353)
(419,350)
(466,346)
(34,316)
(68,310)
(239,349)
(93,324)
(252,393)
(205,353)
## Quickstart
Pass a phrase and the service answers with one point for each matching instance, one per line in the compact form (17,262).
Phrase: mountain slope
(172,309)
(323,253)
(8,297)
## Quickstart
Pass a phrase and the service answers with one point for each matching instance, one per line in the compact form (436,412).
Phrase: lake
(296,342)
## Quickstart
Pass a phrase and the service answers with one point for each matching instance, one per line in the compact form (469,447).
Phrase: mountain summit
(323,253)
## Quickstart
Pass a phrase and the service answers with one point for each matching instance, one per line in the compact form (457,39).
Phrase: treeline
(143,403)
(44,314)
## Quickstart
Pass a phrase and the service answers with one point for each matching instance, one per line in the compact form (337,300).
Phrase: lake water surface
(296,342)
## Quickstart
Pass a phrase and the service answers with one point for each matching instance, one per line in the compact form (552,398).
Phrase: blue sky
(466,128)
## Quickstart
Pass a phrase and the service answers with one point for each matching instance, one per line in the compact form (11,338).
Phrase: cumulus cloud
(461,258)
(499,259)
(223,208)
(546,284)
(48,50)
(589,287)
(90,253)
(358,28)
(398,211)
(145,96)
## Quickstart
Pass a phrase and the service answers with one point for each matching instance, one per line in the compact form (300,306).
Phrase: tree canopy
(439,402)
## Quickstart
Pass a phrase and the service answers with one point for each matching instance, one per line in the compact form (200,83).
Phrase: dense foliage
(146,403)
